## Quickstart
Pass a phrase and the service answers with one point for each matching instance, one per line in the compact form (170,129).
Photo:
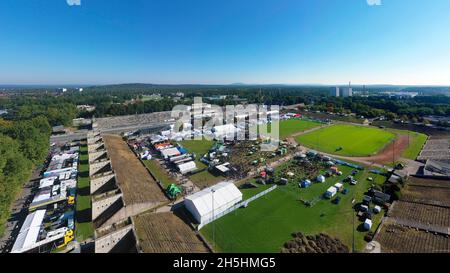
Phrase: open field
(249,192)
(199,148)
(84,228)
(416,142)
(159,172)
(166,233)
(267,223)
(292,126)
(133,179)
(347,140)
(205,179)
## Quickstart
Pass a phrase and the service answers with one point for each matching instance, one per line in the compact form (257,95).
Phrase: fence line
(236,206)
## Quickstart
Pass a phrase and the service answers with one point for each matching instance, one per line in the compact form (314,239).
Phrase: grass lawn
(84,228)
(292,126)
(416,142)
(205,179)
(267,223)
(199,148)
(249,192)
(354,140)
(159,172)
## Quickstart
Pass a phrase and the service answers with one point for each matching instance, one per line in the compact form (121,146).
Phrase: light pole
(353,225)
(212,218)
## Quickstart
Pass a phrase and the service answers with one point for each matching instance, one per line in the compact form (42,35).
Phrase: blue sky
(225,41)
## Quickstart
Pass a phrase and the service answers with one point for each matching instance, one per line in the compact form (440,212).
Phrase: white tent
(187,167)
(321,178)
(223,195)
(222,131)
(29,232)
(368,224)
(166,153)
(330,192)
(47,182)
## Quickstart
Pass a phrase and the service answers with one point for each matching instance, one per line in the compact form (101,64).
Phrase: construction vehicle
(68,237)
(172,191)
(71,200)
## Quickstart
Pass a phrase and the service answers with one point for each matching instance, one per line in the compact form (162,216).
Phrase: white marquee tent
(187,167)
(29,232)
(224,195)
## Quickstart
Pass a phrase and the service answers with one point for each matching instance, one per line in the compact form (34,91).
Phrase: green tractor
(172,191)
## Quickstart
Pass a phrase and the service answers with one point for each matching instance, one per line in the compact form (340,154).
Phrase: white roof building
(169,152)
(187,167)
(47,182)
(222,131)
(200,204)
(29,233)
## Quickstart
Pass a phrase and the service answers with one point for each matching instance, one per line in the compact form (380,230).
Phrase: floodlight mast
(214,225)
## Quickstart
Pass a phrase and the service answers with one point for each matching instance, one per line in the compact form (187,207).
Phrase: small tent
(330,192)
(320,179)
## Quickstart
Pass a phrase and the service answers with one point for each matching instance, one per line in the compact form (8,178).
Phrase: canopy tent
(169,152)
(29,232)
(187,167)
(219,198)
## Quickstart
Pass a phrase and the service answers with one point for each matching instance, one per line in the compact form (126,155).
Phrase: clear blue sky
(225,41)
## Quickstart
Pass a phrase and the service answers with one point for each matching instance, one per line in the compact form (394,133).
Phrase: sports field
(267,223)
(416,143)
(292,126)
(347,140)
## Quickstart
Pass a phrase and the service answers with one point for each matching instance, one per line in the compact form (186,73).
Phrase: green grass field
(159,172)
(267,223)
(354,140)
(199,148)
(417,140)
(84,228)
(292,126)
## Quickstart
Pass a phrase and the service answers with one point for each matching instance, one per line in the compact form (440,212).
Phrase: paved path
(19,212)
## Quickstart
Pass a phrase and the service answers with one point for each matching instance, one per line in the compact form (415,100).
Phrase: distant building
(335,92)
(347,92)
(86,108)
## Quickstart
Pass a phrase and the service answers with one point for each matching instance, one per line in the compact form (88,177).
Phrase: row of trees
(390,107)
(23,144)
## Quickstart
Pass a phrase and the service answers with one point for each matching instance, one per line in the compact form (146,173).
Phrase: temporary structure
(330,192)
(212,202)
(321,178)
(187,167)
(368,224)
(29,232)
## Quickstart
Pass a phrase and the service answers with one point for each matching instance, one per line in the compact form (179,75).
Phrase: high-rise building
(347,92)
(335,92)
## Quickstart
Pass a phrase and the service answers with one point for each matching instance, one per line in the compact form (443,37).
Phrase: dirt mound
(321,243)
